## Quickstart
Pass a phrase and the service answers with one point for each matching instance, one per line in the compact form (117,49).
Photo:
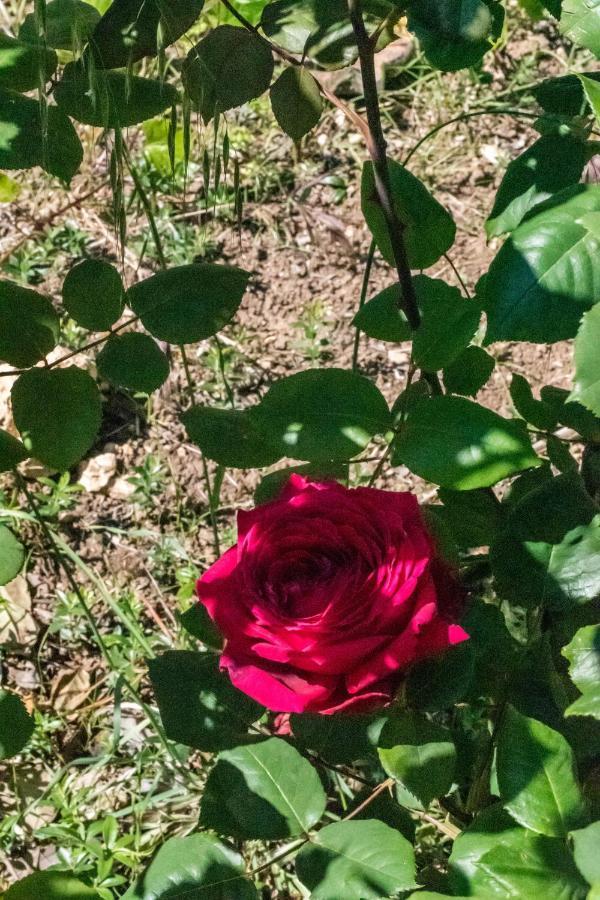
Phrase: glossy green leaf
(51,885)
(429,229)
(133,361)
(438,683)
(69,24)
(199,624)
(356,860)
(338,739)
(547,551)
(448,322)
(12,451)
(563,95)
(572,414)
(455,34)
(585,850)
(196,867)
(22,144)
(580,23)
(468,373)
(190,303)
(559,455)
(12,555)
(583,653)
(266,791)
(382,318)
(58,413)
(28,325)
(420,755)
(111,99)
(93,294)
(322,29)
(591,89)
(545,276)
(458,444)
(129,29)
(199,706)
(537,412)
(586,389)
(552,163)
(229,67)
(296,101)
(322,414)
(530,864)
(230,437)
(22,65)
(16,725)
(536,776)
(473,516)
(496,654)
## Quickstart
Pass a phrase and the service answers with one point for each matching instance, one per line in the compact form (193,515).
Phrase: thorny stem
(377,146)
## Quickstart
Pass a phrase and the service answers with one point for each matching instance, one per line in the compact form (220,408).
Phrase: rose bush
(329,596)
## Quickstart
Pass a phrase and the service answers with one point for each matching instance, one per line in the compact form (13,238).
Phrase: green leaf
(468,373)
(196,867)
(58,413)
(296,101)
(448,322)
(496,653)
(544,277)
(429,229)
(455,34)
(265,791)
(22,144)
(93,294)
(420,755)
(199,624)
(16,725)
(580,23)
(474,517)
(272,483)
(536,776)
(572,415)
(440,682)
(12,451)
(587,362)
(28,325)
(322,414)
(585,850)
(190,303)
(559,455)
(9,189)
(12,555)
(69,24)
(51,885)
(563,95)
(458,444)
(338,739)
(133,361)
(322,29)
(553,162)
(381,317)
(111,99)
(537,412)
(129,29)
(583,654)
(230,437)
(547,551)
(199,706)
(24,66)
(356,860)
(229,67)
(540,866)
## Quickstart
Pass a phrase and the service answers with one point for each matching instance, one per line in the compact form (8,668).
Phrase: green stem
(147,208)
(363,297)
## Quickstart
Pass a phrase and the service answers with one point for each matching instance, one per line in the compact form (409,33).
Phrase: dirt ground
(306,253)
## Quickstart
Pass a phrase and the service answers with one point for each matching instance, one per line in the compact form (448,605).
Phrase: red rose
(328,597)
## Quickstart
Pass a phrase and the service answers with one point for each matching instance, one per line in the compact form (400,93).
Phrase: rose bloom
(329,596)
